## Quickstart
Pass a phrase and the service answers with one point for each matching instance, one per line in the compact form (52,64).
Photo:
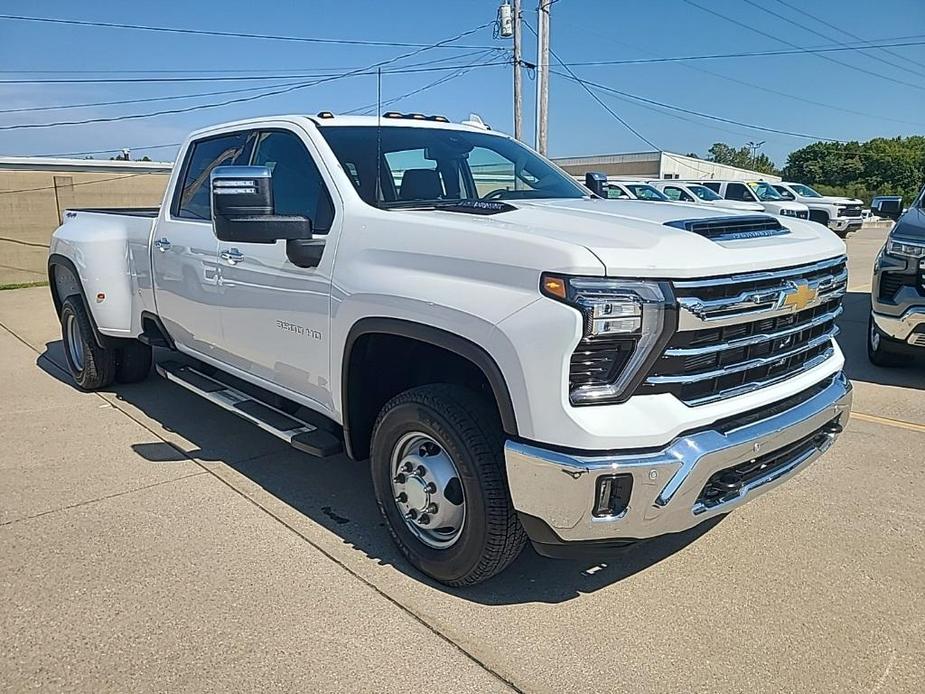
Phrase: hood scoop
(732,228)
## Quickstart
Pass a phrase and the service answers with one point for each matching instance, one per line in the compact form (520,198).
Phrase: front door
(275,315)
(187,274)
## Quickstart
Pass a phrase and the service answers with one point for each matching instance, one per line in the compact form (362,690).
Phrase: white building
(650,165)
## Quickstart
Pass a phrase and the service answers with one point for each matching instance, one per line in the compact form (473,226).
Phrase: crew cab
(896,328)
(760,192)
(684,191)
(518,358)
(841,215)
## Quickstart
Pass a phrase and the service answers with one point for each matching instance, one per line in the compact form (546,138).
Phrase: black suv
(897,317)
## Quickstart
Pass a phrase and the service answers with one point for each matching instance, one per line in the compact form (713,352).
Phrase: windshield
(784,193)
(805,191)
(764,191)
(704,193)
(644,191)
(427,166)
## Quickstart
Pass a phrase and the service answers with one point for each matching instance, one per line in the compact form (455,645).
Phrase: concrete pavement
(152,541)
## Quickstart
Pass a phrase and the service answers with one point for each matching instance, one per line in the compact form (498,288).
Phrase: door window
(676,193)
(298,188)
(739,191)
(194,199)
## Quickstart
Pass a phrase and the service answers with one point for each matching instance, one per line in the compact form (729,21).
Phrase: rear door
(187,275)
(275,315)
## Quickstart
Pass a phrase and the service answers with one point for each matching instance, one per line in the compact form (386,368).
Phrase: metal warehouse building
(35,191)
(650,165)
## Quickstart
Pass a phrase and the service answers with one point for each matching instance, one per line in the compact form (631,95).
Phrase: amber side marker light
(554,286)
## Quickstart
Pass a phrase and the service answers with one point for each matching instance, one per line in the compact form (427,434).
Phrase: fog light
(612,495)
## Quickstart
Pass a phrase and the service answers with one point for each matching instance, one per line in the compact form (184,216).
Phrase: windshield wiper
(482,207)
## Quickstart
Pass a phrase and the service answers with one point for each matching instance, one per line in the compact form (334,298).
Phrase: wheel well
(820,216)
(379,366)
(63,283)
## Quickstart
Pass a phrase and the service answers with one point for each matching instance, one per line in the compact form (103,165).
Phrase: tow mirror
(890,207)
(596,183)
(242,208)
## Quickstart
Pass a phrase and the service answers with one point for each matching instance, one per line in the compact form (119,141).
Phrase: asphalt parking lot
(153,542)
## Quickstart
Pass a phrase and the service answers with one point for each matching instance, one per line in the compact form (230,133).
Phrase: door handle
(162,244)
(232,255)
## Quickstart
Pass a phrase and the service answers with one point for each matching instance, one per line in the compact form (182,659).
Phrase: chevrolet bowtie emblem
(799,297)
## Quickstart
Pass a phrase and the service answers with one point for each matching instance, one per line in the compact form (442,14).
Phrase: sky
(869,99)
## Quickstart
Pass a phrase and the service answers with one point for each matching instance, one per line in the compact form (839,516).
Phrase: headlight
(904,249)
(790,213)
(623,322)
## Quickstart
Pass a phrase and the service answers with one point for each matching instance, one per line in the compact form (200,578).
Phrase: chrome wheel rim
(874,337)
(427,490)
(75,345)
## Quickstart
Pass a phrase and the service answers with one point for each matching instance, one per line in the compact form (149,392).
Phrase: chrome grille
(743,332)
(850,211)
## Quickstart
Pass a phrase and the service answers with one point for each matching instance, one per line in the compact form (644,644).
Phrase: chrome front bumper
(559,488)
(901,328)
(843,223)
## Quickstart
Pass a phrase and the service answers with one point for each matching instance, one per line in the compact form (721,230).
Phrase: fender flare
(439,338)
(56,259)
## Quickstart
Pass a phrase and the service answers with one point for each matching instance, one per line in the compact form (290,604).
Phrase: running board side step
(298,433)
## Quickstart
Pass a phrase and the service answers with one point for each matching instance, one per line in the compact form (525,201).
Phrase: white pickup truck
(517,357)
(841,215)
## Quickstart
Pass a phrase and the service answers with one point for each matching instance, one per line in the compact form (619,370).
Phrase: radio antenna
(378,135)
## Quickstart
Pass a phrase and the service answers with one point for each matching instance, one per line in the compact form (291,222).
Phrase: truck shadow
(337,494)
(853,342)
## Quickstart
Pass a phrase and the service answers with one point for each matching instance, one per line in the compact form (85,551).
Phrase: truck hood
(911,226)
(835,200)
(631,239)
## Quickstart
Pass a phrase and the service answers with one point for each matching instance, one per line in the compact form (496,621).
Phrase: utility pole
(518,84)
(542,75)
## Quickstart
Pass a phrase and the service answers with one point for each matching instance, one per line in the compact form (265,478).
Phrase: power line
(81,183)
(225,34)
(120,102)
(750,126)
(844,31)
(208,71)
(830,39)
(393,100)
(233,78)
(262,95)
(764,88)
(794,45)
(609,110)
(409,69)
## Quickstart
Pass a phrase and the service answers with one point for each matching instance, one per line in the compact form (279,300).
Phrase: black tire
(133,362)
(878,347)
(91,366)
(465,426)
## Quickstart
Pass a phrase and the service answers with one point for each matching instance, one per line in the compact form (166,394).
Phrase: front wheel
(878,347)
(438,472)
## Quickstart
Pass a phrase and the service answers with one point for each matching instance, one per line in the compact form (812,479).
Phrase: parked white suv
(759,192)
(688,191)
(516,357)
(841,215)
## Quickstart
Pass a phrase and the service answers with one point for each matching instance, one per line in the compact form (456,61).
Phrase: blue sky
(582,30)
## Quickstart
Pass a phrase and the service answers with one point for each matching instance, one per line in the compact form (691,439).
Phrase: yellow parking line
(898,423)
(860,288)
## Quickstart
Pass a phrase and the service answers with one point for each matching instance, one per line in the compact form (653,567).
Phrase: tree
(893,166)
(721,153)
